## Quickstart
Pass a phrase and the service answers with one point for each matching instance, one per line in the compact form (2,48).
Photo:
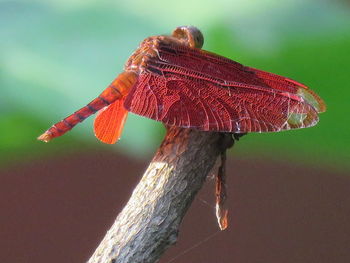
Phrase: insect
(172,80)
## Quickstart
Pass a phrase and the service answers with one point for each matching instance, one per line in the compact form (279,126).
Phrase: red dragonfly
(172,80)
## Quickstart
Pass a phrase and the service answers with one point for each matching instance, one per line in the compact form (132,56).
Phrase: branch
(149,222)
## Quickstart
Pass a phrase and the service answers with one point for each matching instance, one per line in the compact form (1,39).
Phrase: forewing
(286,84)
(209,66)
(178,98)
(109,122)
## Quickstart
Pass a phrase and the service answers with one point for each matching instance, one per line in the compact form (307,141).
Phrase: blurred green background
(57,55)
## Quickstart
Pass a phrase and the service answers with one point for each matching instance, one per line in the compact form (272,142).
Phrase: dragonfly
(171,79)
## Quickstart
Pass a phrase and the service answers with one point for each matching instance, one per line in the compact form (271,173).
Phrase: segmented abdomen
(116,90)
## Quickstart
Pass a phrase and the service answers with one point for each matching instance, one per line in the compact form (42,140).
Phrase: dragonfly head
(190,35)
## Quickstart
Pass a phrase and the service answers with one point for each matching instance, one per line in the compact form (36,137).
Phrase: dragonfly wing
(284,84)
(109,122)
(208,65)
(178,99)
(189,87)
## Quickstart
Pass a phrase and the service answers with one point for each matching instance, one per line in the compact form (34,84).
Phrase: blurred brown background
(58,210)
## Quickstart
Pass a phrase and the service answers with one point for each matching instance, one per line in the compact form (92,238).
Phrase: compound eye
(191,35)
(197,36)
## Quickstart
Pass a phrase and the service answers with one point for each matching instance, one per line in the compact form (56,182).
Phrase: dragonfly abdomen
(116,90)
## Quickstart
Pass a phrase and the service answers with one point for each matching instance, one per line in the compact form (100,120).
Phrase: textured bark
(149,222)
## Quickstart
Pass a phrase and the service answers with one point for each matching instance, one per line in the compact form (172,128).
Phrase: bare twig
(149,222)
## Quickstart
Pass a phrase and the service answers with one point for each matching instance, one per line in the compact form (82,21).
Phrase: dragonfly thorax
(186,35)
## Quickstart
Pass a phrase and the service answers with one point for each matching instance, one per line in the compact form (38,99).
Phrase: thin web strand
(194,246)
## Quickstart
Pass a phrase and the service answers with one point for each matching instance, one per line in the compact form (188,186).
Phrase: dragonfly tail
(116,90)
